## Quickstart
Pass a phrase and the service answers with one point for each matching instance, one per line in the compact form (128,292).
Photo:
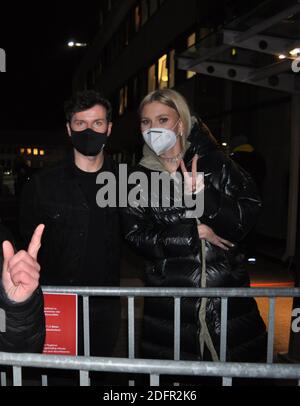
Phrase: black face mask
(88,142)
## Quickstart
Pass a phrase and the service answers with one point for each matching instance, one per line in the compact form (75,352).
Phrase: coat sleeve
(231,203)
(24,324)
(157,241)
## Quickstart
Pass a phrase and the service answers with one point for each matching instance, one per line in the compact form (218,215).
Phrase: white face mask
(160,140)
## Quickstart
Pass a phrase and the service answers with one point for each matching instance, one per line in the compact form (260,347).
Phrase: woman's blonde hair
(175,101)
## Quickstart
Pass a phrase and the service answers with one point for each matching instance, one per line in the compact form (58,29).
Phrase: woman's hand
(208,234)
(194,182)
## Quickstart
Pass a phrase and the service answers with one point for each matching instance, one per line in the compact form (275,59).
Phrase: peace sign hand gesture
(195,183)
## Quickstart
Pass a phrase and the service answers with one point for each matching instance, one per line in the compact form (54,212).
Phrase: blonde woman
(180,251)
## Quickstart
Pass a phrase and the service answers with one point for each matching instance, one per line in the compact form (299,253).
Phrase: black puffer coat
(171,246)
(24,322)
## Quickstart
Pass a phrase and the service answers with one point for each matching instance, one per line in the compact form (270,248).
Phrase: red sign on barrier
(61,324)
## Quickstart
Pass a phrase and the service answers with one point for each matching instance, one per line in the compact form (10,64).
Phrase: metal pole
(131,333)
(271,331)
(177,329)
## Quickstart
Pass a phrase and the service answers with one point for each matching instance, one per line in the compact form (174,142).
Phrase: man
(22,323)
(81,244)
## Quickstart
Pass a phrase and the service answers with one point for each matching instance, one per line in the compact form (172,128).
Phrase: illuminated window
(29,151)
(190,42)
(190,74)
(152,78)
(233,52)
(163,74)
(137,18)
(42,152)
(35,151)
(123,100)
(172,68)
(22,151)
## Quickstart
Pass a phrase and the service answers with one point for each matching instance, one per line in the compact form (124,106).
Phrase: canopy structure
(261,48)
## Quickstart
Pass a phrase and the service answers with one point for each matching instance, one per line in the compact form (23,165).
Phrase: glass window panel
(152,78)
(163,74)
(172,68)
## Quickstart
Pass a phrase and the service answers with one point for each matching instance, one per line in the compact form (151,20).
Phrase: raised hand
(21,271)
(194,183)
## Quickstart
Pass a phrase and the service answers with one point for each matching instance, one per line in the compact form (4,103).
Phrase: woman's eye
(145,122)
(163,120)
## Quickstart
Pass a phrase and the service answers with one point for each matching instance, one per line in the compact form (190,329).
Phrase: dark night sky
(40,66)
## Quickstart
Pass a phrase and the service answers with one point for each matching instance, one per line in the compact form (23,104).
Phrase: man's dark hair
(85,100)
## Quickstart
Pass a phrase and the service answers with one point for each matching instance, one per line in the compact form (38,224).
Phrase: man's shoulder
(53,172)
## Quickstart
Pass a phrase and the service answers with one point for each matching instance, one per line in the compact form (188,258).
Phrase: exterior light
(80,44)
(252,260)
(29,151)
(281,56)
(224,144)
(35,151)
(42,152)
(73,44)
(295,52)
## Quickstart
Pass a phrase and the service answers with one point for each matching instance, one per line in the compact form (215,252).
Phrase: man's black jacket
(54,197)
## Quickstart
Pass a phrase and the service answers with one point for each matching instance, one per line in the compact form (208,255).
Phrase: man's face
(94,118)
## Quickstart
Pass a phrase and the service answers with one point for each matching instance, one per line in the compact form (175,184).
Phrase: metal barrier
(162,367)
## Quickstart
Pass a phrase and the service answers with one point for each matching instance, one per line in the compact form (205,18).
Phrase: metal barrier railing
(155,368)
